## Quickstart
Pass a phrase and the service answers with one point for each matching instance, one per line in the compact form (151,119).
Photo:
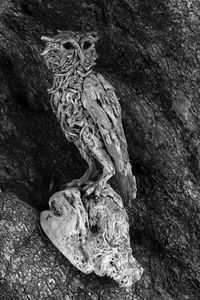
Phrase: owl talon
(76,183)
(89,191)
(73,183)
(69,185)
(98,191)
(92,187)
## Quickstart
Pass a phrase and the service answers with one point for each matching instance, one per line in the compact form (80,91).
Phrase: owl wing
(101,101)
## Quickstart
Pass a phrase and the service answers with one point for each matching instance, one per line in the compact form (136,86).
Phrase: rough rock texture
(149,50)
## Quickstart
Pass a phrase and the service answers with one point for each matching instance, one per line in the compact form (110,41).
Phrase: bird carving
(89,112)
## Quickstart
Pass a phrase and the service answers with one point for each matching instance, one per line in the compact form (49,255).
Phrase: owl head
(68,49)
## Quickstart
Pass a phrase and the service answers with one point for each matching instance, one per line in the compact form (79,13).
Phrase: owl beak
(82,58)
(47,39)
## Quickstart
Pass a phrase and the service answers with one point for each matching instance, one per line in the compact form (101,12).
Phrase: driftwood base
(94,236)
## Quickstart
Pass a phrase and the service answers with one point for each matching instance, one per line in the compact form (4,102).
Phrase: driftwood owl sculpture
(89,112)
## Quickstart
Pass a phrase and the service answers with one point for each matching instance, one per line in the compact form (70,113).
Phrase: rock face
(149,51)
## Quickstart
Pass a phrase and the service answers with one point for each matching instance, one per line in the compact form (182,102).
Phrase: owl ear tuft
(94,35)
(47,39)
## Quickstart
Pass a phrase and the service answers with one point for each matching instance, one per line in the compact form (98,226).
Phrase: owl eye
(86,45)
(68,46)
